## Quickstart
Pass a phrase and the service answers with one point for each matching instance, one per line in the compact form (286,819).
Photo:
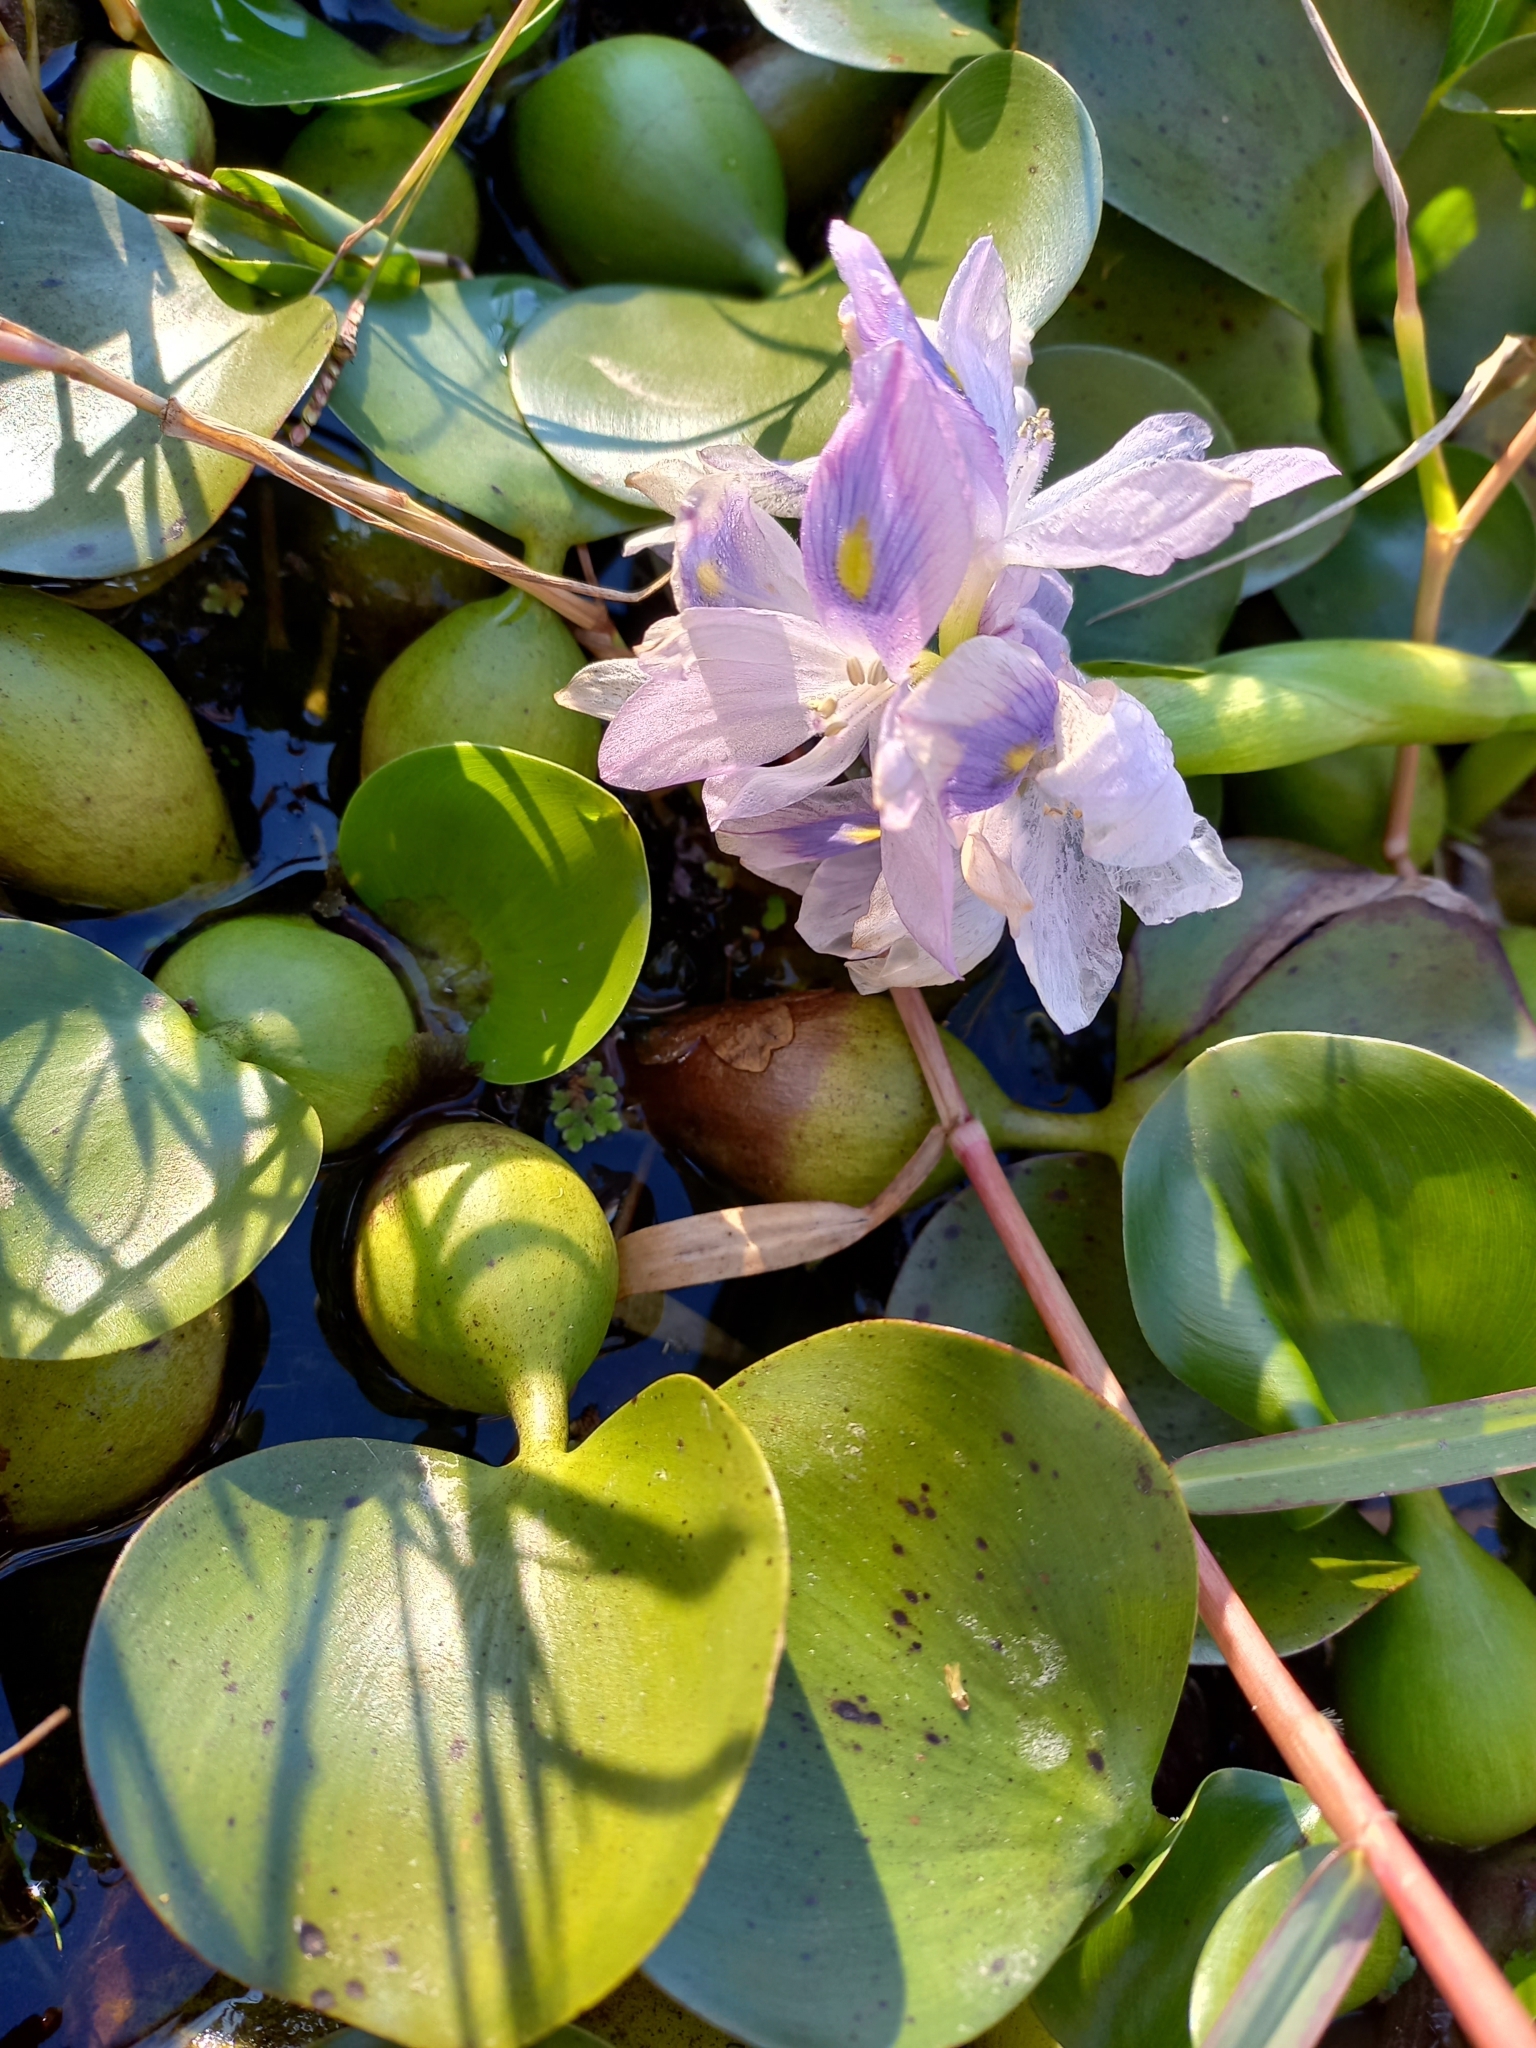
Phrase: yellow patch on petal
(1017,759)
(709,579)
(861,835)
(856,561)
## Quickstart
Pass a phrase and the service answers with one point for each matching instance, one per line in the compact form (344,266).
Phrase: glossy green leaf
(268,53)
(1500,88)
(1126,1980)
(277,259)
(1179,977)
(1265,706)
(427,393)
(1487,775)
(520,886)
(143,1171)
(90,487)
(1301,1585)
(1250,355)
(1519,1490)
(900,1867)
(614,379)
(1302,1973)
(1224,129)
(436,1745)
(1367,584)
(883,35)
(1095,395)
(957,1273)
(1406,1452)
(1321,1227)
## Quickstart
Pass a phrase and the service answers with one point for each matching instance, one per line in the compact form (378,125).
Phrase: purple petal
(875,308)
(1114,769)
(742,793)
(779,487)
(1273,472)
(728,552)
(975,335)
(887,533)
(918,862)
(885,954)
(787,846)
(1028,607)
(1199,877)
(978,721)
(602,688)
(723,689)
(1142,521)
(837,897)
(1070,941)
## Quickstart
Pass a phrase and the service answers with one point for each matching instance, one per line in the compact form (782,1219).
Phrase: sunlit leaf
(1321,1227)
(90,486)
(143,1171)
(883,35)
(520,885)
(615,378)
(269,53)
(922,1840)
(434,1745)
(1224,129)
(1301,1585)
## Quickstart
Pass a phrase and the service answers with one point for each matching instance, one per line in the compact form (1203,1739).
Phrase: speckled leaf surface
(950,1503)
(883,35)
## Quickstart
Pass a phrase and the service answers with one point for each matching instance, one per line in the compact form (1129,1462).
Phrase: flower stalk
(1484,2005)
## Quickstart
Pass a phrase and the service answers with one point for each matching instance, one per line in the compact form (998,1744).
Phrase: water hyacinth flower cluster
(885,717)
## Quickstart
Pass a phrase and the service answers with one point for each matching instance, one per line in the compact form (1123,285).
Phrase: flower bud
(1436,1686)
(486,1274)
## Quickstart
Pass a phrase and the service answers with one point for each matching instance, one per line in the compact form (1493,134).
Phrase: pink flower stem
(1476,1990)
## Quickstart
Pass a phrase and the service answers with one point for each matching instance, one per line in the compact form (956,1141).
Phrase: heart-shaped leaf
(1302,1586)
(1267,706)
(435,1746)
(1408,1452)
(1251,356)
(143,1171)
(270,53)
(90,487)
(1368,583)
(883,35)
(1321,1227)
(521,887)
(992,1597)
(427,393)
(1225,130)
(1126,1980)
(612,379)
(1094,396)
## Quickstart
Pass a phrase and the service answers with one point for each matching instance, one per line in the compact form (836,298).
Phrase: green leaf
(1301,1585)
(1276,1982)
(1519,1490)
(1250,355)
(1265,706)
(614,379)
(269,53)
(427,393)
(143,1171)
(1225,130)
(1366,585)
(1406,1452)
(514,878)
(432,1744)
(957,1273)
(883,35)
(900,1867)
(1321,1227)
(1126,1980)
(276,259)
(1500,88)
(1095,395)
(90,487)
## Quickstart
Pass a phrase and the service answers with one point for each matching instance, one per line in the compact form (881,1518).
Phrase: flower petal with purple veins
(787,846)
(875,311)
(1070,941)
(730,552)
(1199,877)
(724,689)
(1114,769)
(888,530)
(779,487)
(1274,472)
(975,336)
(978,721)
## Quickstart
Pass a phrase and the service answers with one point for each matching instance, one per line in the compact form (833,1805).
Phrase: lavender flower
(918,629)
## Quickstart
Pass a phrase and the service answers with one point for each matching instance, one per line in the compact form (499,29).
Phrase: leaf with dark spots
(1095,1760)
(311,1940)
(850,1710)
